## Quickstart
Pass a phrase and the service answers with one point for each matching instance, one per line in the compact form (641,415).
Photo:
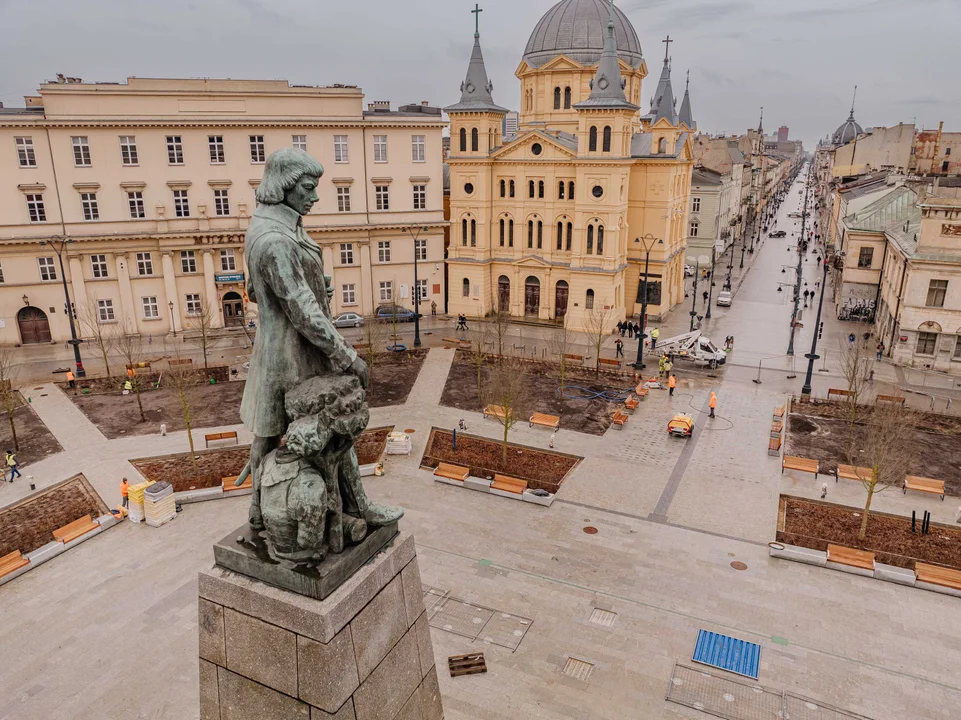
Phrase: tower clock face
(470,87)
(603,84)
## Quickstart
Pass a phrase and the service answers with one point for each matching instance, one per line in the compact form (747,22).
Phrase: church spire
(662,104)
(607,87)
(760,124)
(687,117)
(476,88)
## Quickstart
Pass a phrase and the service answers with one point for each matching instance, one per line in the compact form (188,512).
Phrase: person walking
(630,329)
(13,465)
(125,492)
(661,365)
(712,403)
(671,384)
(880,350)
(71,381)
(127,386)
(550,442)
(619,347)
(655,334)
(461,322)
(433,308)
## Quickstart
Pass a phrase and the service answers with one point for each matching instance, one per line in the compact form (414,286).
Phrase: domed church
(556,223)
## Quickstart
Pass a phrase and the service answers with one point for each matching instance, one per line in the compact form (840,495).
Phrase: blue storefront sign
(230,278)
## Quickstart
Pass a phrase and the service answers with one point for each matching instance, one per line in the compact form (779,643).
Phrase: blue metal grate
(727,653)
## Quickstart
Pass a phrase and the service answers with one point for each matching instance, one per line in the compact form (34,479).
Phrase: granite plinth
(245,551)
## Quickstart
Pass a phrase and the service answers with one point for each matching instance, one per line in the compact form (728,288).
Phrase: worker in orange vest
(713,403)
(672,383)
(71,382)
(124,492)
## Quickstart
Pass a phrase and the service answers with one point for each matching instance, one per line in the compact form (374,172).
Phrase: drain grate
(505,630)
(492,627)
(799,708)
(432,596)
(605,618)
(578,669)
(459,618)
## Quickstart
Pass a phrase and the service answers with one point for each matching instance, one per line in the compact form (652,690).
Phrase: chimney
(379,106)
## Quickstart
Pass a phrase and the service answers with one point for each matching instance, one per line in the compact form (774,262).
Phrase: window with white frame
(175,150)
(25,152)
(386,290)
(105,311)
(927,342)
(136,205)
(349,294)
(420,248)
(418,148)
(128,150)
(383,251)
(151,310)
(420,197)
(181,204)
(48,271)
(380,148)
(35,208)
(343,198)
(228,261)
(346,253)
(188,261)
(192,305)
(299,142)
(89,203)
(382,197)
(422,289)
(340,149)
(221,202)
(696,204)
(98,266)
(215,144)
(694,227)
(144,263)
(81,151)
(258,152)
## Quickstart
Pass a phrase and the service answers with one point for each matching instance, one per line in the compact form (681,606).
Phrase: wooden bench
(72,531)
(774,446)
(937,575)
(495,411)
(361,346)
(776,428)
(851,557)
(180,361)
(850,472)
(452,472)
(12,561)
(619,419)
(897,399)
(779,412)
(609,362)
(631,404)
(229,483)
(641,392)
(840,393)
(213,437)
(575,358)
(798,463)
(509,484)
(551,421)
(923,484)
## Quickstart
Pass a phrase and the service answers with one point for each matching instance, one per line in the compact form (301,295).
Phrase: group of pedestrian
(629,328)
(461,322)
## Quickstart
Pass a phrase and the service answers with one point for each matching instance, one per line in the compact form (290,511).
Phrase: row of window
(129,156)
(106,313)
(535,188)
(385,290)
(535,234)
(135,202)
(928,342)
(145,265)
(383,251)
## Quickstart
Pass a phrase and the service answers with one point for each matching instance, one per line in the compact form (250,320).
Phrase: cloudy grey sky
(798,58)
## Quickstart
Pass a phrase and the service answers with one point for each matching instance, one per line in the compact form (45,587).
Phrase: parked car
(794,215)
(778,234)
(688,271)
(394,313)
(724,298)
(348,319)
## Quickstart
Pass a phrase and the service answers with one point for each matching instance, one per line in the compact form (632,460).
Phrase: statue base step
(245,551)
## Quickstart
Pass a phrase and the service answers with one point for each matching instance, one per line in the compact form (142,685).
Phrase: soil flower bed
(542,469)
(814,524)
(370,446)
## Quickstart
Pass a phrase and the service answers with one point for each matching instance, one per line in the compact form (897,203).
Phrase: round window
(537,149)
(469,188)
(598,191)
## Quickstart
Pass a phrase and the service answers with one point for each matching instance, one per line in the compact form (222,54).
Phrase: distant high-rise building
(782,133)
(510,123)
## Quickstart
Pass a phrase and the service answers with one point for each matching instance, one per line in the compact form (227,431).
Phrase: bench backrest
(11,557)
(70,527)
(924,482)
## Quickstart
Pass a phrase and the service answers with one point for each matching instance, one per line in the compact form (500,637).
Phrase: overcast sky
(798,58)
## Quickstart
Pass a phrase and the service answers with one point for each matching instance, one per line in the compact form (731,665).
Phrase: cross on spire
(854,98)
(667,48)
(612,12)
(476,12)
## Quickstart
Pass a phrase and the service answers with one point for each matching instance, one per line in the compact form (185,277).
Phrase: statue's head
(290,177)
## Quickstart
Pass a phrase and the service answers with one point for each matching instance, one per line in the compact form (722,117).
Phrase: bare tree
(561,344)
(884,448)
(201,321)
(500,322)
(103,334)
(595,327)
(183,379)
(375,342)
(856,364)
(130,348)
(478,350)
(9,398)
(507,388)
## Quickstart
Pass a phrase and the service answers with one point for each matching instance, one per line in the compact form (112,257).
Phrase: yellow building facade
(555,224)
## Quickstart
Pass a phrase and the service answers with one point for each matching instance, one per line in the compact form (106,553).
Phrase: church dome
(576,28)
(846,132)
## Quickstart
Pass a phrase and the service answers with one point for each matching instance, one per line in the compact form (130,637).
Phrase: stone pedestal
(362,653)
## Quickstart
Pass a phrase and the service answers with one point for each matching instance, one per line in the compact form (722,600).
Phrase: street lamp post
(649,242)
(58,245)
(800,267)
(170,306)
(414,231)
(697,270)
(812,356)
(710,287)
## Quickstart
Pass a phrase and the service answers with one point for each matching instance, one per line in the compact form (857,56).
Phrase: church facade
(557,223)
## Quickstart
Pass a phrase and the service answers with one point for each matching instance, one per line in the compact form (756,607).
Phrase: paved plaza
(109,629)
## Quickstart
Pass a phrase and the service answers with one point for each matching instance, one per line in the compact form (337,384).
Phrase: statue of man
(296,338)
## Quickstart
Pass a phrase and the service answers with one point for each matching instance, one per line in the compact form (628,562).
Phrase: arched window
(474,144)
(503,224)
(510,233)
(567,98)
(540,189)
(588,301)
(512,188)
(560,190)
(590,239)
(503,188)
(463,232)
(466,286)
(530,234)
(570,190)
(540,235)
(531,189)
(607,138)
(560,235)
(473,233)
(662,146)
(600,239)
(570,235)
(592,142)
(463,139)
(557,98)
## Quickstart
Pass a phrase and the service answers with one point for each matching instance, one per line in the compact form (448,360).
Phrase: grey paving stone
(413,591)
(210,624)
(260,651)
(209,692)
(346,712)
(378,627)
(388,688)
(327,672)
(243,699)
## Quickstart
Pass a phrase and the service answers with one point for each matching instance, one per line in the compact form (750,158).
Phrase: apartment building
(138,195)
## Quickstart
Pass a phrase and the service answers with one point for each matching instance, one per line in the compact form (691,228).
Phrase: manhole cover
(590,530)
(738,565)
(409,430)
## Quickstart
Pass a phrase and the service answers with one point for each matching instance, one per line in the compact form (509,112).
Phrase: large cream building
(153,182)
(552,224)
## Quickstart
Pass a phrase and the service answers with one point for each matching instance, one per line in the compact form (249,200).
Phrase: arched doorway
(503,294)
(233,310)
(34,326)
(532,296)
(561,292)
